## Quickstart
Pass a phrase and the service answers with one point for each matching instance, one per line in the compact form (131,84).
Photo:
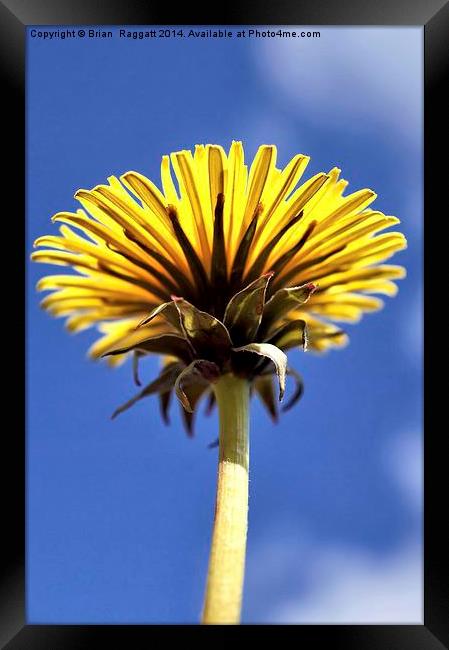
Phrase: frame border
(433,15)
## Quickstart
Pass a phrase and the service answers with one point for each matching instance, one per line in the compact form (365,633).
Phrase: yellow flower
(234,265)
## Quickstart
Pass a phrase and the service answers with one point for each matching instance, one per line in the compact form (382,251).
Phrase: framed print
(224,242)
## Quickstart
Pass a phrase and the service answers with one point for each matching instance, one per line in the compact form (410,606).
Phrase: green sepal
(136,377)
(263,386)
(211,403)
(200,372)
(291,335)
(195,392)
(205,333)
(168,344)
(164,382)
(272,353)
(283,302)
(244,311)
(164,404)
(298,392)
(168,311)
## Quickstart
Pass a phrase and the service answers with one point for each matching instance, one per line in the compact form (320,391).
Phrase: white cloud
(357,588)
(297,579)
(349,75)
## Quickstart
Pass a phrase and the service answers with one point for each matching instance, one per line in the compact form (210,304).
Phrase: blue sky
(120,513)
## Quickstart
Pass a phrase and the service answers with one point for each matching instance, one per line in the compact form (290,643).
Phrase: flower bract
(222,268)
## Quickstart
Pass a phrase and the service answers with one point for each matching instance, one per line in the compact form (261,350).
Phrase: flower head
(221,272)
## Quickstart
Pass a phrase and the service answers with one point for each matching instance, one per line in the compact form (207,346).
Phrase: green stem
(224,589)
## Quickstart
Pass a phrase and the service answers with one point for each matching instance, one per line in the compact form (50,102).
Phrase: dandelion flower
(220,272)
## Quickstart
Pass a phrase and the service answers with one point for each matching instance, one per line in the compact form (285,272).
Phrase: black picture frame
(15,16)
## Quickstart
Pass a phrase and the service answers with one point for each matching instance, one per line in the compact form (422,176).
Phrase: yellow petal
(234,204)
(183,165)
(264,163)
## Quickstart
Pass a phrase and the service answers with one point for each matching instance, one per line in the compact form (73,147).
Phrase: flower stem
(227,557)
